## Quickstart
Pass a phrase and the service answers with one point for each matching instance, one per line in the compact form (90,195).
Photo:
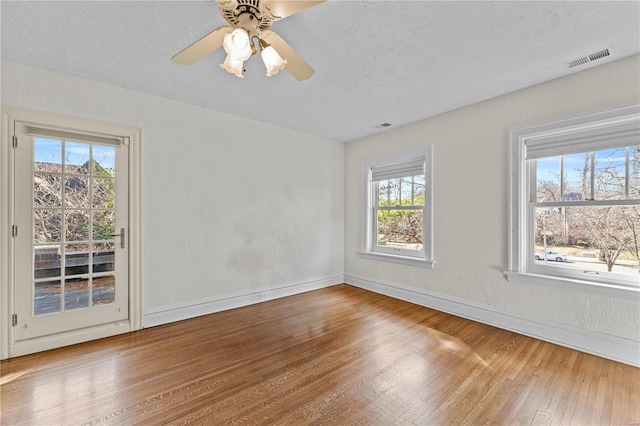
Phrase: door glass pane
(48,155)
(76,158)
(46,261)
(76,259)
(104,290)
(104,193)
(76,225)
(76,294)
(47,226)
(47,190)
(46,297)
(76,191)
(104,160)
(103,257)
(103,224)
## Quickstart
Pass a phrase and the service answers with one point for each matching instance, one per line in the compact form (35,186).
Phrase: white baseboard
(592,342)
(179,312)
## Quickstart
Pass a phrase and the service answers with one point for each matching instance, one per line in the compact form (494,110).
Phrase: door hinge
(14,320)
(14,141)
(14,231)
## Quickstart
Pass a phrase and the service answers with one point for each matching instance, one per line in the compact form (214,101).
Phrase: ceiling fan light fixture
(232,65)
(237,44)
(272,60)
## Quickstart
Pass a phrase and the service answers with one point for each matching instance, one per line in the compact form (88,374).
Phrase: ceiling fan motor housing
(247,14)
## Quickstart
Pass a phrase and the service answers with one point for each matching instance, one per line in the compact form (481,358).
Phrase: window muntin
(398,208)
(575,194)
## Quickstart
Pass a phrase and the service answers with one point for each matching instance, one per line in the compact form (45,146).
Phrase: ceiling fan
(250,20)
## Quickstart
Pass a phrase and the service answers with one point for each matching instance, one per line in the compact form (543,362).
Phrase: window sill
(413,261)
(589,287)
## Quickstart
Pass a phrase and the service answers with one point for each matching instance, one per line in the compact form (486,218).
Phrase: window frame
(370,200)
(522,184)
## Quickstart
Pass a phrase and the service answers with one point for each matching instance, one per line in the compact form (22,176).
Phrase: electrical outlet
(262,296)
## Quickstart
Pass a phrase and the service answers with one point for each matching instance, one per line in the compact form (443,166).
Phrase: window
(398,213)
(575,210)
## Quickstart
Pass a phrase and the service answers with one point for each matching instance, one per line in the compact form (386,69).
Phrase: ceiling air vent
(589,58)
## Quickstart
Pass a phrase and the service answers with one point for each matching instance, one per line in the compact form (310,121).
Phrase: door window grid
(83,223)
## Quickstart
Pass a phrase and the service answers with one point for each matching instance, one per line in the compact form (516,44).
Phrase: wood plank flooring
(336,356)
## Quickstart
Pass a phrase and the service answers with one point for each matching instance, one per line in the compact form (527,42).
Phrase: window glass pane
(610,174)
(634,172)
(391,189)
(47,155)
(47,190)
(383,193)
(418,190)
(406,191)
(577,177)
(76,158)
(548,176)
(400,229)
(597,239)
(104,160)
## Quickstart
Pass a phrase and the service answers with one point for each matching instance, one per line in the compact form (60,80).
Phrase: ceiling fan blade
(297,67)
(202,47)
(282,8)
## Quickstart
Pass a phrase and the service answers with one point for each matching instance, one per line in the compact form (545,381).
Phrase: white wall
(471,201)
(230,206)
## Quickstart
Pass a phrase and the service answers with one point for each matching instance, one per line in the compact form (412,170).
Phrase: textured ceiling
(375,61)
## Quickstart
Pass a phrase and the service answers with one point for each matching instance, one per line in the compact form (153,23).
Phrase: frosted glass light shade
(272,60)
(232,65)
(237,44)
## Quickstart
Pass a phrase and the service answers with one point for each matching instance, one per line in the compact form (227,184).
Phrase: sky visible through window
(577,170)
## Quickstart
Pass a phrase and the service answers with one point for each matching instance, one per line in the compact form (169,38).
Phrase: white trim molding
(131,136)
(592,342)
(395,165)
(183,311)
(617,128)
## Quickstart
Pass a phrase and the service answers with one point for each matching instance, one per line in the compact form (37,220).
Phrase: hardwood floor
(335,356)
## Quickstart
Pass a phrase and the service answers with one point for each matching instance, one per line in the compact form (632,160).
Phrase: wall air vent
(598,55)
(589,58)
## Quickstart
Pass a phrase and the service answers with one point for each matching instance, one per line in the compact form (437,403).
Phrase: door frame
(10,114)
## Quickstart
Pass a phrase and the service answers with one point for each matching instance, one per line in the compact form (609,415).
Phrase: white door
(70,239)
